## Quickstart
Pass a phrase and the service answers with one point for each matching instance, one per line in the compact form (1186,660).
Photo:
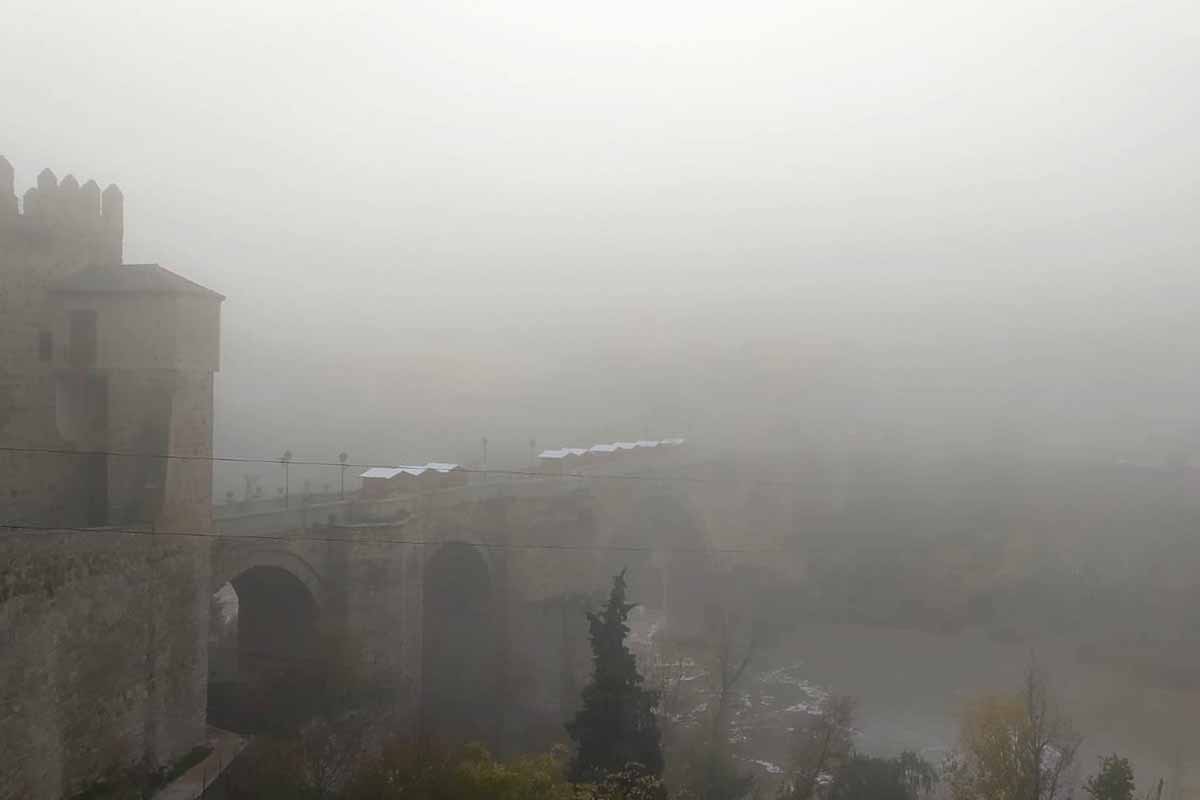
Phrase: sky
(524,210)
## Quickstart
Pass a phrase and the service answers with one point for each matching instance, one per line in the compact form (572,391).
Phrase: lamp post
(286,459)
(343,457)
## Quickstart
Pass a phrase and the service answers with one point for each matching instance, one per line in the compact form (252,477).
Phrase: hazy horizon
(521,205)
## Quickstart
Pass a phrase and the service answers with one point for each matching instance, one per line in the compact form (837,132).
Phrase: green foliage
(905,777)
(616,727)
(630,783)
(478,776)
(404,772)
(326,762)
(1114,781)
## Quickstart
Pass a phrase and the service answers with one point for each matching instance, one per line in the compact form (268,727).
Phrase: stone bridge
(465,601)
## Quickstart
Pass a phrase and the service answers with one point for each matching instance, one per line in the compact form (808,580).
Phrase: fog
(907,232)
(991,201)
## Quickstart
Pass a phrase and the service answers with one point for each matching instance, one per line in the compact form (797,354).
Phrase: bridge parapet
(394,508)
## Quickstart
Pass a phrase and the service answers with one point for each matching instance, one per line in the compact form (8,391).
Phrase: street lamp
(286,459)
(343,457)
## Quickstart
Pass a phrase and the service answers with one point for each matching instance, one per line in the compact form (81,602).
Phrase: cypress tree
(1113,782)
(616,728)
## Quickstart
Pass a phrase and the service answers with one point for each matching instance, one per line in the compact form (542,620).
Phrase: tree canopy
(1014,747)
(905,777)
(616,726)
(1114,781)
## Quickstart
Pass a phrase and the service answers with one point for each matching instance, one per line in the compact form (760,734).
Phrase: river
(910,688)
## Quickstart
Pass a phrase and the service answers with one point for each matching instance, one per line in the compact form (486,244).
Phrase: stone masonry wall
(103,637)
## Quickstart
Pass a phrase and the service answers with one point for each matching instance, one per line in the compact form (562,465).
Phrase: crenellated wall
(58,229)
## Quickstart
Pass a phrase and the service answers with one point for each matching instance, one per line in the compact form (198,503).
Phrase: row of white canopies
(607,449)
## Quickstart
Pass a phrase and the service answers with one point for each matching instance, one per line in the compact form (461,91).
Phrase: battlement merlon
(8,196)
(66,209)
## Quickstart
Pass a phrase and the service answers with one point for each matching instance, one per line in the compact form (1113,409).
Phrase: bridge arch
(460,665)
(267,658)
(234,561)
(668,554)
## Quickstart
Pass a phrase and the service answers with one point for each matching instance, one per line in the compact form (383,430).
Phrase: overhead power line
(17,530)
(469,470)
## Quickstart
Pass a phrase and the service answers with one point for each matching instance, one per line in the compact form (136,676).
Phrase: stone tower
(105,368)
(102,358)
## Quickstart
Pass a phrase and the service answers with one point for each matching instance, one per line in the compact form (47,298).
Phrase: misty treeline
(632,740)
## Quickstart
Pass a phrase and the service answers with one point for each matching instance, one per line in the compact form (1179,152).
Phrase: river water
(911,686)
